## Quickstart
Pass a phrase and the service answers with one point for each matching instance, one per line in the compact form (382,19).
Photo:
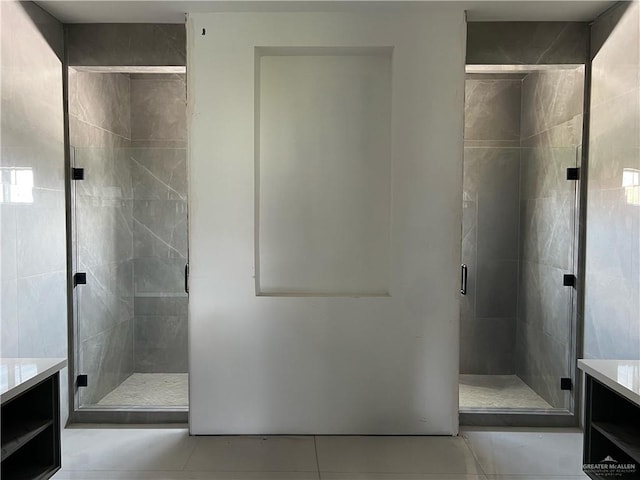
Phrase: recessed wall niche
(323,143)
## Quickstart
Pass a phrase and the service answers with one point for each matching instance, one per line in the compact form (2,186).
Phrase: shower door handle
(186,278)
(463,279)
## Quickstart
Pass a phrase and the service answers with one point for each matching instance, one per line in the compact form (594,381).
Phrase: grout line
(315,447)
(478,464)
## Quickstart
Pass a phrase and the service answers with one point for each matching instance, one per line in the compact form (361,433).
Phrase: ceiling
(173,11)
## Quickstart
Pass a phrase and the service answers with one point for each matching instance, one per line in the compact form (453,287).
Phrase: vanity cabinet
(612,419)
(30,413)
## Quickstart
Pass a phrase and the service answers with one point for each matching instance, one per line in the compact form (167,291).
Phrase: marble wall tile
(158,109)
(9,324)
(547,231)
(107,359)
(160,344)
(492,109)
(490,171)
(171,306)
(550,98)
(611,318)
(613,236)
(104,230)
(612,292)
(159,173)
(541,361)
(41,231)
(42,302)
(526,43)
(36,157)
(544,171)
(106,299)
(544,303)
(497,289)
(126,44)
(84,135)
(615,50)
(498,224)
(34,313)
(487,346)
(160,228)
(102,100)
(551,136)
(9,239)
(159,275)
(490,224)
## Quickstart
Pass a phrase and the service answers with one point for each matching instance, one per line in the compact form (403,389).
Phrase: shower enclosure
(523,135)
(127,130)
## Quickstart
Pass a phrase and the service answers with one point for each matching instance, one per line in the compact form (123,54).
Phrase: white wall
(332,363)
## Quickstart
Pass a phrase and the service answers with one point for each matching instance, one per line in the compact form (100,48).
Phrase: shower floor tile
(151,389)
(498,391)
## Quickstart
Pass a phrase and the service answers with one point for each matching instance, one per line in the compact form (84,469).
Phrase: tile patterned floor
(150,389)
(165,453)
(498,391)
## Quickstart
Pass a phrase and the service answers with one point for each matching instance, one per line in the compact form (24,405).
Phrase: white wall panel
(323,163)
(327,363)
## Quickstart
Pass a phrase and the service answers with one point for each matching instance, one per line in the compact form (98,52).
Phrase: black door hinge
(82,381)
(77,173)
(573,174)
(569,280)
(566,383)
(79,279)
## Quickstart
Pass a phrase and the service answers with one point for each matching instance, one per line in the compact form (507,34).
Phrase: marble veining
(526,43)
(129,44)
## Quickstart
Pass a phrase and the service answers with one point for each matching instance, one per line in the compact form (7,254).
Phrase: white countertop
(622,376)
(19,374)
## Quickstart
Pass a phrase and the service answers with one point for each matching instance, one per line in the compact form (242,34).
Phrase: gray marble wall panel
(107,359)
(550,139)
(542,360)
(160,342)
(33,278)
(102,100)
(554,97)
(526,43)
(612,296)
(487,346)
(492,110)
(158,108)
(158,162)
(126,44)
(490,224)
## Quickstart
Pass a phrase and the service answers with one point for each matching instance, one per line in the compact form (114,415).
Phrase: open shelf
(19,434)
(625,437)
(30,433)
(612,433)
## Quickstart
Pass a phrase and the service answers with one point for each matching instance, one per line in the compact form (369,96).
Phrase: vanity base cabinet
(30,434)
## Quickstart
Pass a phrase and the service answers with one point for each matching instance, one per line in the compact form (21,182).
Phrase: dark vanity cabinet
(30,431)
(612,422)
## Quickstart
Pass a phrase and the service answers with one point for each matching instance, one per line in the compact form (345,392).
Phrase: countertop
(622,376)
(19,374)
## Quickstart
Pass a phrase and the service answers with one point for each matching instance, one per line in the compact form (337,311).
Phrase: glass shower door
(130,249)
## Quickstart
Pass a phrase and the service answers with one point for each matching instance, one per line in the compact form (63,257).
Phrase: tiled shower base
(498,391)
(150,389)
